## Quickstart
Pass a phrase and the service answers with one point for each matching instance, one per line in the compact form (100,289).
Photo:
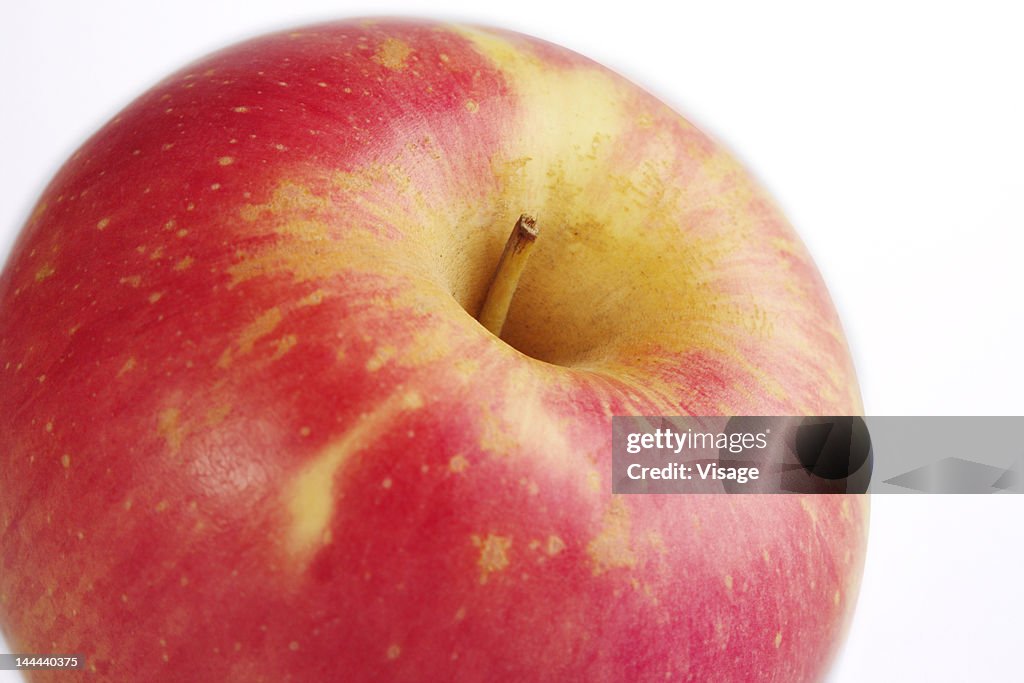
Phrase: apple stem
(506,275)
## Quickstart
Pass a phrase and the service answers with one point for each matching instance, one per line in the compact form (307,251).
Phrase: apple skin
(249,432)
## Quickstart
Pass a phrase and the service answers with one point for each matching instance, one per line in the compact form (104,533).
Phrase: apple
(251,429)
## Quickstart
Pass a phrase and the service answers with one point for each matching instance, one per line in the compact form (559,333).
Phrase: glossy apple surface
(249,431)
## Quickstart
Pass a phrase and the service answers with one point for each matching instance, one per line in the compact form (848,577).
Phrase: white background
(891,134)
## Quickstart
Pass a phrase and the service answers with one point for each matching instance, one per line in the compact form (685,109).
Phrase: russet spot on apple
(251,429)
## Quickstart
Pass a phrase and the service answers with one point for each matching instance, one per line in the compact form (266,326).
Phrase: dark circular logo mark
(802,455)
(833,447)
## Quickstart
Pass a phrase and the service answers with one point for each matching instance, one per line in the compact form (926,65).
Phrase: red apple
(249,431)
